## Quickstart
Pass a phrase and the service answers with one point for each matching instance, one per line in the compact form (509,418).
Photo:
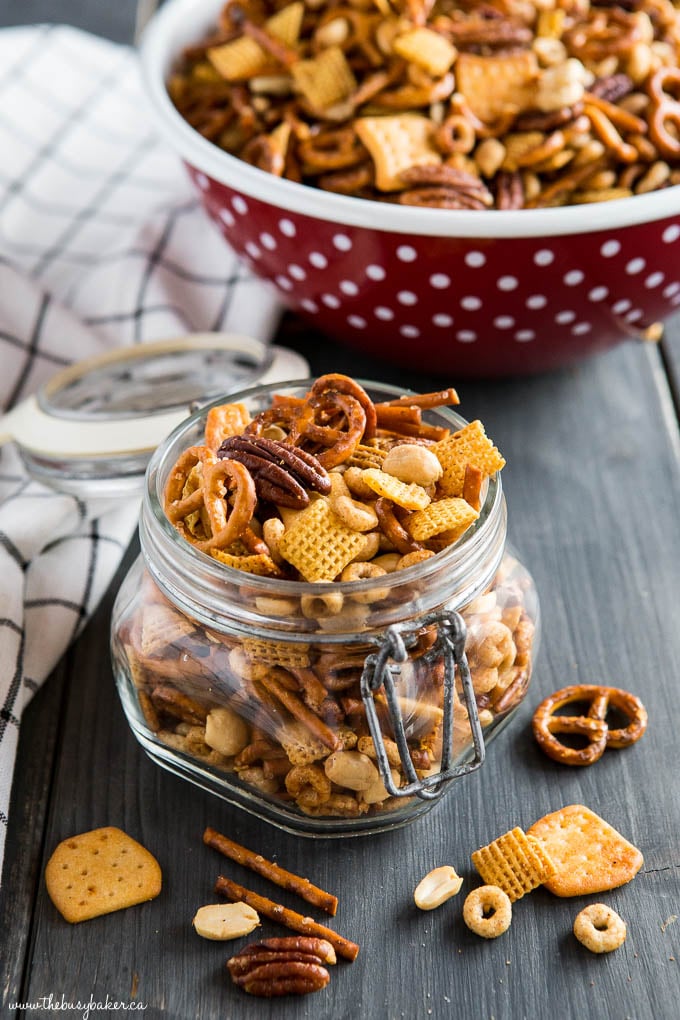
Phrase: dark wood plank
(114,21)
(593,486)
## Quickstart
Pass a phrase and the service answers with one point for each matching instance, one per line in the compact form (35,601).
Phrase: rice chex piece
(453,516)
(260,564)
(325,80)
(513,862)
(494,84)
(408,495)
(318,544)
(276,653)
(162,626)
(427,49)
(366,457)
(470,445)
(590,856)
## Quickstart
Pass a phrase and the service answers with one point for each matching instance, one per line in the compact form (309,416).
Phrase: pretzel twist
(665,111)
(546,724)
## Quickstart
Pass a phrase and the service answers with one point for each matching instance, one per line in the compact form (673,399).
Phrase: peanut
(222,921)
(412,464)
(351,769)
(225,731)
(437,887)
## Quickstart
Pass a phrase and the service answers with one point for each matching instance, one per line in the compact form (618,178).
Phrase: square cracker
(98,872)
(515,862)
(589,855)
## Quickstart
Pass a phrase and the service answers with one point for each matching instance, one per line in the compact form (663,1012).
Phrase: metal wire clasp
(379,673)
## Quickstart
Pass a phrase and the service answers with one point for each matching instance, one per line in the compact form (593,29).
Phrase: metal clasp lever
(378,673)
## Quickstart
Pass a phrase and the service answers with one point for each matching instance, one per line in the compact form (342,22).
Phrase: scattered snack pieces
(487,911)
(279,876)
(222,921)
(515,862)
(593,725)
(438,886)
(589,855)
(98,872)
(276,912)
(450,105)
(599,928)
(282,966)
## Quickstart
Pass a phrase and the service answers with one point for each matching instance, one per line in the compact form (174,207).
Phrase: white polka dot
(633,316)
(442,320)
(386,314)
(227,217)
(671,289)
(470,303)
(654,280)
(284,283)
(342,242)
(524,335)
(508,283)
(564,317)
(318,260)
(581,328)
(475,259)
(309,306)
(466,336)
(268,242)
(356,321)
(349,287)
(253,250)
(440,281)
(239,204)
(537,301)
(405,253)
(598,294)
(410,331)
(573,277)
(610,248)
(330,300)
(202,182)
(297,272)
(671,233)
(635,266)
(544,257)
(504,322)
(675,300)
(287,228)
(407,297)
(621,306)
(375,272)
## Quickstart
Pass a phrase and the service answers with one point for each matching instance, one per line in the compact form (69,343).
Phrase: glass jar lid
(92,428)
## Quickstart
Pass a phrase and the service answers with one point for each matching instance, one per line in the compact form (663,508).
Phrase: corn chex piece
(299,744)
(410,496)
(325,80)
(318,544)
(221,422)
(453,516)
(276,653)
(242,58)
(427,49)
(253,563)
(162,626)
(515,862)
(491,85)
(395,144)
(470,445)
(100,871)
(366,457)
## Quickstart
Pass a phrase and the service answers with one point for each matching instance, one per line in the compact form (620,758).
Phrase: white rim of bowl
(180,22)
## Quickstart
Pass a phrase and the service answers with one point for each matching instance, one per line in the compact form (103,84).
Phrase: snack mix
(451,104)
(324,487)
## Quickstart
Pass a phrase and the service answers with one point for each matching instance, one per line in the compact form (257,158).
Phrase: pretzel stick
(303,714)
(438,399)
(276,912)
(392,417)
(279,876)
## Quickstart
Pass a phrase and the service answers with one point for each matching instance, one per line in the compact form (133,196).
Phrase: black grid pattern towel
(102,243)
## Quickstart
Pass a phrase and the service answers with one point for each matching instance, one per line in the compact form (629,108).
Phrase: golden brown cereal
(397,143)
(470,445)
(599,928)
(325,80)
(589,855)
(406,495)
(514,862)
(318,544)
(98,872)
(487,911)
(453,516)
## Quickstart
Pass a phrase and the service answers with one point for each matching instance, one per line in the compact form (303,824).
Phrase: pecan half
(281,473)
(282,966)
(509,190)
(612,88)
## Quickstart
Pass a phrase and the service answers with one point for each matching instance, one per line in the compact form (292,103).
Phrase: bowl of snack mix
(489,189)
(325,625)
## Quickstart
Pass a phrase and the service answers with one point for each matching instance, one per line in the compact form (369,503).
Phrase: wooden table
(593,487)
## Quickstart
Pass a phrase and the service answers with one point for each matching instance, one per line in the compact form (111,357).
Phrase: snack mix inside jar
(324,625)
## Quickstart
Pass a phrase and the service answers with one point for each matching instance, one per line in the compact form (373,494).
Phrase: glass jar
(331,708)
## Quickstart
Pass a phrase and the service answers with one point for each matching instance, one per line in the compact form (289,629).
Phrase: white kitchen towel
(102,243)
